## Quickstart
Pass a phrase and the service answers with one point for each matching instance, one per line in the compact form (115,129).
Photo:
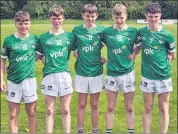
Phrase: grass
(39,27)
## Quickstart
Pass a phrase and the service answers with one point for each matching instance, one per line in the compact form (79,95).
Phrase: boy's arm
(3,84)
(40,57)
(171,56)
(136,51)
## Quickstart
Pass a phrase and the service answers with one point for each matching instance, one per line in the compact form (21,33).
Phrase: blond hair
(119,9)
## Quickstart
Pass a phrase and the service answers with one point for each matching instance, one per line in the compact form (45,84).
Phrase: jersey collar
(60,32)
(84,26)
(16,36)
(124,28)
(160,28)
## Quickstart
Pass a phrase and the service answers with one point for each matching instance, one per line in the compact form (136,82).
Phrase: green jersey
(21,56)
(119,47)
(56,49)
(155,49)
(88,43)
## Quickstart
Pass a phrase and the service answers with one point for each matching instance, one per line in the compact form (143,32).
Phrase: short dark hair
(153,8)
(90,8)
(56,10)
(22,16)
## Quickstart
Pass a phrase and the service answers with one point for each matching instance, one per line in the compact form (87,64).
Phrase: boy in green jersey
(119,40)
(158,48)
(89,68)
(55,46)
(20,48)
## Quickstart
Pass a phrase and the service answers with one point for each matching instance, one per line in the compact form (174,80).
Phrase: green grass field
(39,27)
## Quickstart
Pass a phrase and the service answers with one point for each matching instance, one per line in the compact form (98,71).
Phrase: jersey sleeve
(74,43)
(39,47)
(138,39)
(36,41)
(4,50)
(170,43)
(71,37)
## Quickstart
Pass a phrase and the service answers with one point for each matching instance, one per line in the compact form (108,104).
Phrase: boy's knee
(50,111)
(65,111)
(82,106)
(111,109)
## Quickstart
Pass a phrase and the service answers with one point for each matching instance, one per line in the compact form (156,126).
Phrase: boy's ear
(160,15)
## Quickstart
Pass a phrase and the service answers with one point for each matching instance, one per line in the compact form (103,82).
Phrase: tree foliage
(39,9)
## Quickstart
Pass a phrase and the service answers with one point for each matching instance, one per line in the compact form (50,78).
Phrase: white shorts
(90,85)
(25,90)
(126,83)
(159,86)
(57,84)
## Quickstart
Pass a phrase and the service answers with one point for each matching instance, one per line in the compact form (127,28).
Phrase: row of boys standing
(54,47)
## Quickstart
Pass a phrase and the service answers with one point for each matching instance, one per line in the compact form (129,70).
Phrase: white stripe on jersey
(4,57)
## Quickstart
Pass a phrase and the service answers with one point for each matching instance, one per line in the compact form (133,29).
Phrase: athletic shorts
(90,85)
(57,84)
(25,90)
(158,86)
(125,83)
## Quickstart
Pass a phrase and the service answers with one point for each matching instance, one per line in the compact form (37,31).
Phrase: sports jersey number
(24,46)
(90,37)
(151,39)
(119,38)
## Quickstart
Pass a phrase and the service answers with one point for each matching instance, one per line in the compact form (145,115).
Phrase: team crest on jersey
(124,47)
(68,42)
(33,46)
(95,43)
(160,42)
(128,38)
(156,47)
(64,49)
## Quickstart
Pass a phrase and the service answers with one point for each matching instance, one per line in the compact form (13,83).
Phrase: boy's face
(57,21)
(153,19)
(89,18)
(119,20)
(23,27)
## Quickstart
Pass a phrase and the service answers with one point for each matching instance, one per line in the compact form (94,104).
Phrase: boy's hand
(132,56)
(7,69)
(3,86)
(103,60)
(170,58)
(76,54)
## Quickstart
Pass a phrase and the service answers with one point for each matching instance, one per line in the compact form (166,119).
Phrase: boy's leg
(14,109)
(32,116)
(147,114)
(128,101)
(65,110)
(82,102)
(164,111)
(50,111)
(94,104)
(112,98)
